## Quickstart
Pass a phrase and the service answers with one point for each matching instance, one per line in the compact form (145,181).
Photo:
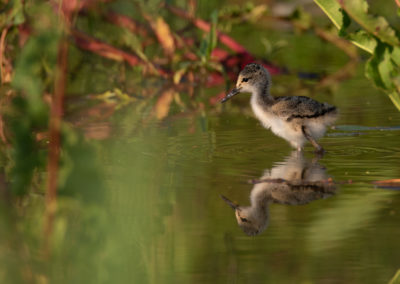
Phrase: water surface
(171,225)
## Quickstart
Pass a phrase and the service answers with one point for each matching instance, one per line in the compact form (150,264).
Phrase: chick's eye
(245,79)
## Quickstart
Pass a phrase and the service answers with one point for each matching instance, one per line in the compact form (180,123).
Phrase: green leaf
(203,48)
(346,23)
(333,10)
(396,278)
(341,20)
(377,38)
(376,25)
(363,40)
(17,14)
(371,72)
(209,41)
(386,68)
(212,36)
(396,55)
(301,18)
(379,68)
(382,70)
(395,98)
(132,41)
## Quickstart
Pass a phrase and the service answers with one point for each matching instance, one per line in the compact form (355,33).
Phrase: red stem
(2,49)
(86,42)
(128,23)
(55,138)
(203,25)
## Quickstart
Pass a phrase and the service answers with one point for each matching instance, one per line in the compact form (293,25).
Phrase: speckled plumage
(298,181)
(294,118)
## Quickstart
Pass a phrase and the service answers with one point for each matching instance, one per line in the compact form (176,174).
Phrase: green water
(144,205)
(159,216)
(171,225)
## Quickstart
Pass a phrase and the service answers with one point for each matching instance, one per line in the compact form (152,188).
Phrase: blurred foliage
(33,76)
(375,35)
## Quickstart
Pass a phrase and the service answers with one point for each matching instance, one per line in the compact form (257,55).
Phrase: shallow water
(170,224)
(145,206)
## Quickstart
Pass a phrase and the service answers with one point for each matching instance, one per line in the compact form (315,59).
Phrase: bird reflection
(296,181)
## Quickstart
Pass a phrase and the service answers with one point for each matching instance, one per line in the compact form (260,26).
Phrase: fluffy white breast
(278,125)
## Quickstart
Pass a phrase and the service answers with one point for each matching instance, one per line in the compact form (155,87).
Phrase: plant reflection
(296,181)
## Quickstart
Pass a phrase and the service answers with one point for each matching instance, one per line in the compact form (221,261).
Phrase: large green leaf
(376,25)
(333,10)
(341,20)
(377,38)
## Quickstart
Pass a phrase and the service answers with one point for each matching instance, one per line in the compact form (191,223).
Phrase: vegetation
(373,34)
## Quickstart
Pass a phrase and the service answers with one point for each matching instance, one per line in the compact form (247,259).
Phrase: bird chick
(296,119)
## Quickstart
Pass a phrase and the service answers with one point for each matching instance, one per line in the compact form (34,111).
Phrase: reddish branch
(203,25)
(2,49)
(162,31)
(86,42)
(2,135)
(73,6)
(241,56)
(94,45)
(341,43)
(128,23)
(56,113)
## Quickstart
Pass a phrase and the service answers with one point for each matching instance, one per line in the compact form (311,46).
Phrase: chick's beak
(230,203)
(235,91)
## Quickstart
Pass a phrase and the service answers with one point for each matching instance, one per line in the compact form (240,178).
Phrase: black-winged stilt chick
(294,118)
